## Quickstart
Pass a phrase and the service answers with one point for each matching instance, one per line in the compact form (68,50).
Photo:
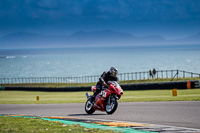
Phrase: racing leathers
(103,81)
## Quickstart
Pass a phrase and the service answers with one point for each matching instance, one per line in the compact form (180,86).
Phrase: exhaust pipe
(87,95)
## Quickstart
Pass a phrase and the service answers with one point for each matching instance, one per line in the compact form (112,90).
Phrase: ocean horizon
(86,61)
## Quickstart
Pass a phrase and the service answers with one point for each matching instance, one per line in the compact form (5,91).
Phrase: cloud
(137,9)
(97,13)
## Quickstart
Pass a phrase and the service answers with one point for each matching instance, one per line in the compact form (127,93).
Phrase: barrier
(139,86)
(1,88)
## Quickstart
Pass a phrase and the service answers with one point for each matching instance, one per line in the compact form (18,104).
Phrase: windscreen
(115,84)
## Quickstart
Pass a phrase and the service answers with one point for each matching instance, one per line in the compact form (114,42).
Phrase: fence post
(166,74)
(136,75)
(131,76)
(88,78)
(171,73)
(177,73)
(157,74)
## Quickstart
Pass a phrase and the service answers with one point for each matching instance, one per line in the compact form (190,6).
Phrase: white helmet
(113,71)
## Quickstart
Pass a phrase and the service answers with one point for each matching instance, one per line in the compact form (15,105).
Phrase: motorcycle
(106,100)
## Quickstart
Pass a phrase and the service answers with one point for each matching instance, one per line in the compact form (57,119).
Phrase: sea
(89,61)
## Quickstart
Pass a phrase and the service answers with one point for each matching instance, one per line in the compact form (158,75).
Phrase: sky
(169,18)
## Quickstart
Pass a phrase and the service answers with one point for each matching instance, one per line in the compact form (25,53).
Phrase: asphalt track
(176,113)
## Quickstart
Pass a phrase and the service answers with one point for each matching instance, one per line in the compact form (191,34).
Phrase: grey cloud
(97,13)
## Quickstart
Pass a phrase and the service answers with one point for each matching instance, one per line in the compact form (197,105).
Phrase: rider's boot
(93,97)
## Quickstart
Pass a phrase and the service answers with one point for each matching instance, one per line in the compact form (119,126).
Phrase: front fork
(109,100)
(114,96)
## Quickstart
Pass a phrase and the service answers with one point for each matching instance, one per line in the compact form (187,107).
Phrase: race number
(103,93)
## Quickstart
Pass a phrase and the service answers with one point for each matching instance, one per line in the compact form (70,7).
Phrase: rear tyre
(111,108)
(89,107)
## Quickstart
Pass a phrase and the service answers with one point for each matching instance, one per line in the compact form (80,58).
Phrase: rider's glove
(104,84)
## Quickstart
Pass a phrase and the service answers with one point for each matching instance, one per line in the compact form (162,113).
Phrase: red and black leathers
(105,77)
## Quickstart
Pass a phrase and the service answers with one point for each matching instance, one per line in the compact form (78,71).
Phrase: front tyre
(89,107)
(111,108)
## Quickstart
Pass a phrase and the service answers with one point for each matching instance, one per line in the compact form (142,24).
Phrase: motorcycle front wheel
(111,108)
(89,107)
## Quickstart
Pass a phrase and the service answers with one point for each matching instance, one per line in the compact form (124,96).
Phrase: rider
(110,75)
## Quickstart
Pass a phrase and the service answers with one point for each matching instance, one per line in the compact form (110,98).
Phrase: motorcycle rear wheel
(89,107)
(111,108)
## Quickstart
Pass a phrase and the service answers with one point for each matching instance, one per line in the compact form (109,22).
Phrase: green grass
(161,95)
(28,125)
(29,97)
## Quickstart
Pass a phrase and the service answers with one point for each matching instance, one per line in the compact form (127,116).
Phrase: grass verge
(29,97)
(26,125)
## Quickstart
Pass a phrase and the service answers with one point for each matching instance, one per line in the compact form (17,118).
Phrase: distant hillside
(81,38)
(30,40)
(191,39)
(106,37)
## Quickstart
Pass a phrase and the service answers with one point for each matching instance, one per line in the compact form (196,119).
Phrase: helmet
(113,71)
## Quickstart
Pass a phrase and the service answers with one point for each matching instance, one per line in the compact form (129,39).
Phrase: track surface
(181,114)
